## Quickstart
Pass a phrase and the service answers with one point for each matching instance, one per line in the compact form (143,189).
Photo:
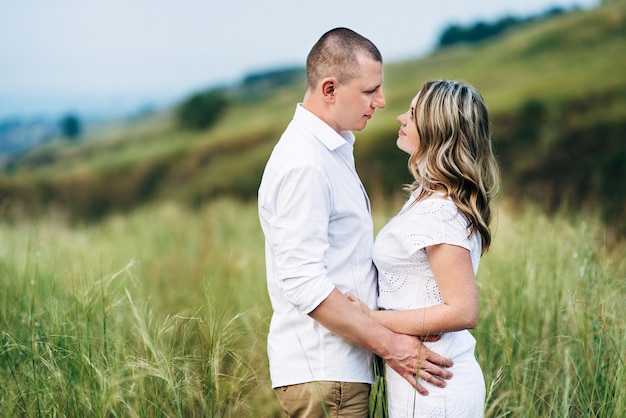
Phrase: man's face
(356,101)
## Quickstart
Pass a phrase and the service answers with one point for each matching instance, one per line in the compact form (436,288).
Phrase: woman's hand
(359,304)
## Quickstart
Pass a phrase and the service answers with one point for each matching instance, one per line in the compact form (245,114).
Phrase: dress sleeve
(434,221)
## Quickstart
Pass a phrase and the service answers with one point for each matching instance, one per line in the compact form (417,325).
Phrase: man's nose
(379,101)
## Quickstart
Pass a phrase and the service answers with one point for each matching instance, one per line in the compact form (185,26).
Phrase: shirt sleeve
(432,222)
(297,236)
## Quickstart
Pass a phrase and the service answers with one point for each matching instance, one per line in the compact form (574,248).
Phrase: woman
(427,255)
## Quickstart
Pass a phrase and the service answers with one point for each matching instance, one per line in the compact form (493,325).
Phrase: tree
(201,110)
(70,126)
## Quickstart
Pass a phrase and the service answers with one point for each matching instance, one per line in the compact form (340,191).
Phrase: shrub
(70,126)
(201,110)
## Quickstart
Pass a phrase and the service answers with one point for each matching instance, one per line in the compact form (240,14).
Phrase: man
(318,230)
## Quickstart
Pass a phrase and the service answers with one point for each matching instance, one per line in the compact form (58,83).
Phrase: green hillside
(556,92)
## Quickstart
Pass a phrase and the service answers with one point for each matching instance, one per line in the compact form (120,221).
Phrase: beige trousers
(325,399)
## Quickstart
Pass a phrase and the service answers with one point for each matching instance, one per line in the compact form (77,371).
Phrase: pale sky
(103,55)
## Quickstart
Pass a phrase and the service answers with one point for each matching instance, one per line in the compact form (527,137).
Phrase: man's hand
(418,361)
(404,353)
(413,360)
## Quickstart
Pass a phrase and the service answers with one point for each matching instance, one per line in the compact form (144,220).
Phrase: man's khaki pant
(325,399)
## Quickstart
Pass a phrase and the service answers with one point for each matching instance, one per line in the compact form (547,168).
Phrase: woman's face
(408,139)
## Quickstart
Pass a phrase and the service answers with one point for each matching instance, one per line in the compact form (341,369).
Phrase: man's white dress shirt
(318,236)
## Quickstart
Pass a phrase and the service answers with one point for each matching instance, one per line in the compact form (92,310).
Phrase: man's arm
(403,353)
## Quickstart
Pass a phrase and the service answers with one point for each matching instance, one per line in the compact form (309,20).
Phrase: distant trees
(70,126)
(479,31)
(273,78)
(201,110)
(261,84)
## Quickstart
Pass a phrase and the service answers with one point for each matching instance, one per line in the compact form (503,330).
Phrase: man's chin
(360,126)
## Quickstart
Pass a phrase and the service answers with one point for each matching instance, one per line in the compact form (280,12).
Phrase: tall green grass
(163,313)
(551,337)
(158,314)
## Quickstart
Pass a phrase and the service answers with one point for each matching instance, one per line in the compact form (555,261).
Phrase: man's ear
(328,89)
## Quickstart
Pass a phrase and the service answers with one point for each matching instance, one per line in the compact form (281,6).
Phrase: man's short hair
(336,54)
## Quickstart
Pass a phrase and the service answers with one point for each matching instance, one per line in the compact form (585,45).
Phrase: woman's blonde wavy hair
(455,152)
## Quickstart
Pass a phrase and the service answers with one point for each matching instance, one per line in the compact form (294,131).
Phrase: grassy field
(163,313)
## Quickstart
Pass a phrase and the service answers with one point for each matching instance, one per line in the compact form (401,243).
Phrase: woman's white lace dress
(406,282)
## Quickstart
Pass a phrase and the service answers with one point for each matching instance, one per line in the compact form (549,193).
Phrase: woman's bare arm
(452,268)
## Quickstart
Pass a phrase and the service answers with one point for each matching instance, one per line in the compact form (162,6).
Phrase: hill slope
(556,92)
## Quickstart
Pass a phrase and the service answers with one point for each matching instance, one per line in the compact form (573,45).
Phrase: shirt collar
(326,135)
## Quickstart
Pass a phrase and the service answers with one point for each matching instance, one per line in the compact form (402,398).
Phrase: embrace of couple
(339,297)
